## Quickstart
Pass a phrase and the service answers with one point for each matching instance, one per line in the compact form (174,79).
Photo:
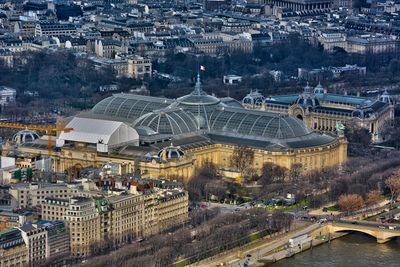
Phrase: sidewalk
(258,248)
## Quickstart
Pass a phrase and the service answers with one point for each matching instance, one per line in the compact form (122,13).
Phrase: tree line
(201,239)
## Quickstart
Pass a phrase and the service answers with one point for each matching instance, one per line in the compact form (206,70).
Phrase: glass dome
(319,89)
(253,99)
(25,136)
(198,97)
(200,104)
(386,98)
(170,152)
(128,107)
(307,98)
(257,124)
(169,121)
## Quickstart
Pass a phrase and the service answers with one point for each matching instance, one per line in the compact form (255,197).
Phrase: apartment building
(119,219)
(132,66)
(32,195)
(172,208)
(138,67)
(126,218)
(57,241)
(35,239)
(55,29)
(13,251)
(54,209)
(11,219)
(84,225)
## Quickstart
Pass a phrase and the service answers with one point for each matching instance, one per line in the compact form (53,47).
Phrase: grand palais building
(161,137)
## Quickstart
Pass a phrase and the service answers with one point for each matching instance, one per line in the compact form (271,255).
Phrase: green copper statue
(340,129)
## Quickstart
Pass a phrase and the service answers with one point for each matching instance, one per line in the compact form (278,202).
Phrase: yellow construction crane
(48,129)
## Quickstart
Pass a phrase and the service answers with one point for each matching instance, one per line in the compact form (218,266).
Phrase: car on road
(354,222)
(391,227)
(323,220)
(382,227)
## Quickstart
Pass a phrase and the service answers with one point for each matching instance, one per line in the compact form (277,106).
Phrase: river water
(354,250)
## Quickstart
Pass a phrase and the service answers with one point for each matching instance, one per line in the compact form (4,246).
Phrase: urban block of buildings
(97,213)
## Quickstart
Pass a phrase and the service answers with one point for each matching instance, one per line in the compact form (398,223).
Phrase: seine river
(354,250)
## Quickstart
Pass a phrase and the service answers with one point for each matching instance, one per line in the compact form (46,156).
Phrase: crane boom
(49,129)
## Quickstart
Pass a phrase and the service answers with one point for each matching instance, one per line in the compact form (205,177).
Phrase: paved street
(237,257)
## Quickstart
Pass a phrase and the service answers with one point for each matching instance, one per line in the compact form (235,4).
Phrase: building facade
(35,237)
(54,29)
(201,126)
(172,208)
(13,251)
(33,195)
(322,111)
(84,225)
(57,241)
(116,219)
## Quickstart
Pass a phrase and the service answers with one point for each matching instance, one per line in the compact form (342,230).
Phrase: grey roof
(27,227)
(257,123)
(172,121)
(128,107)
(198,97)
(215,120)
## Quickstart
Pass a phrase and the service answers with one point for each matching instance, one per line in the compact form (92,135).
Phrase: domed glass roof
(200,104)
(307,98)
(198,97)
(319,89)
(385,97)
(170,152)
(257,124)
(128,107)
(253,98)
(24,136)
(168,121)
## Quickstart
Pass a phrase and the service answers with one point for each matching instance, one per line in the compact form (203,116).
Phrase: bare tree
(373,198)
(242,158)
(393,183)
(272,173)
(295,171)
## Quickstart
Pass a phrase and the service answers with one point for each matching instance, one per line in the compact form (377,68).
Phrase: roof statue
(164,155)
(340,129)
